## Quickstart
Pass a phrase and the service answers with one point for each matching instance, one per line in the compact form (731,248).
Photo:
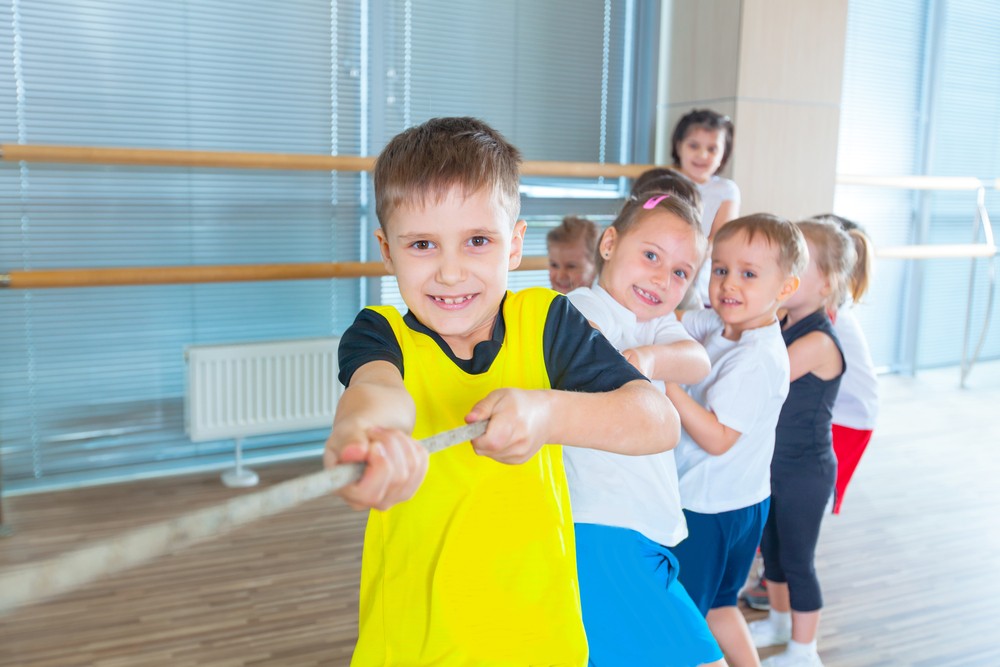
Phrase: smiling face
(748,283)
(571,265)
(701,152)
(648,268)
(451,259)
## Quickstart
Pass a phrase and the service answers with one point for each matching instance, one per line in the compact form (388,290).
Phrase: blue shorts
(716,557)
(634,610)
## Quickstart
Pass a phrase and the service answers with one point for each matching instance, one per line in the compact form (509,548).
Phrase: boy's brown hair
(572,230)
(424,163)
(793,254)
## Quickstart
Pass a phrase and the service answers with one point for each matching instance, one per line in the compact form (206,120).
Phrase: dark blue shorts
(716,557)
(634,610)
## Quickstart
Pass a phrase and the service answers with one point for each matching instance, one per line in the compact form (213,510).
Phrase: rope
(29,584)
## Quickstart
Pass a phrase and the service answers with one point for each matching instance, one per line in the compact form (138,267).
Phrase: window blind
(964,141)
(921,97)
(880,128)
(557,94)
(91,380)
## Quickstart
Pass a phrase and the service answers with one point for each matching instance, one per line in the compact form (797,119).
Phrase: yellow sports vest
(479,567)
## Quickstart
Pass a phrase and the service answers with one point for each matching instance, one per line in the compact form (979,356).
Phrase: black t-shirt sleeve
(369,339)
(578,357)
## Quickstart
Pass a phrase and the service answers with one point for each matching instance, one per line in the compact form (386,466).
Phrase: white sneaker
(765,634)
(788,659)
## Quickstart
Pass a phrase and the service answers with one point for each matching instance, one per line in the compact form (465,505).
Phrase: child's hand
(642,359)
(518,424)
(396,466)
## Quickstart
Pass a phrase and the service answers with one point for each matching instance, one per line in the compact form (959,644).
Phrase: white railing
(974,251)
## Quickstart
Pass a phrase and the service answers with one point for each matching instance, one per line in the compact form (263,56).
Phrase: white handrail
(971,251)
(937,251)
(951,183)
(939,183)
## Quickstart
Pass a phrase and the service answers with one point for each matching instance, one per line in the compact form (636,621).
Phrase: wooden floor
(910,570)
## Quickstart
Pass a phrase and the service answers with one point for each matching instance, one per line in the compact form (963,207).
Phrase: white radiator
(235,391)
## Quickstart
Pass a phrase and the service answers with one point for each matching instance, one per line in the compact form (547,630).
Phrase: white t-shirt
(636,492)
(745,389)
(713,193)
(857,401)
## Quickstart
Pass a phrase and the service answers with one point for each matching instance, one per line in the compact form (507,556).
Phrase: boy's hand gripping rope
(37,581)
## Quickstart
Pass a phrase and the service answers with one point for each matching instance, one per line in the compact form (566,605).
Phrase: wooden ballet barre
(152,157)
(181,275)
(583,169)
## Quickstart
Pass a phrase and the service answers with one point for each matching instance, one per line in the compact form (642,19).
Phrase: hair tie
(653,201)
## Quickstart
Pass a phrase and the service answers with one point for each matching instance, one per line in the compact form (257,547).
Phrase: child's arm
(374,419)
(633,419)
(684,362)
(701,424)
(815,353)
(728,210)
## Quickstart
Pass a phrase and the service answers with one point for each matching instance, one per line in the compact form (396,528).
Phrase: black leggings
(800,490)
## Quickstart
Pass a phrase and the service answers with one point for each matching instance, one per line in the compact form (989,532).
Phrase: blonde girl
(626,509)
(856,409)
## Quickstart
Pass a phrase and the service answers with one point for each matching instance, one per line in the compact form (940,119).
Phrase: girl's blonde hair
(635,207)
(863,247)
(835,257)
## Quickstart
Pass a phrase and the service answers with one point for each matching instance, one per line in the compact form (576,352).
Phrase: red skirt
(848,444)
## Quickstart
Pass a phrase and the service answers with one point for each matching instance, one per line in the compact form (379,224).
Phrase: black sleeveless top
(803,429)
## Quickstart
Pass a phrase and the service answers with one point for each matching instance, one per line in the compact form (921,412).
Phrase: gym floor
(910,569)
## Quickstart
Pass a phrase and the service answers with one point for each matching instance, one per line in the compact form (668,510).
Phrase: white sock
(780,620)
(797,648)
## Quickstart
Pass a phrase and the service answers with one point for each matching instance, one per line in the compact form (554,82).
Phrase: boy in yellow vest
(468,558)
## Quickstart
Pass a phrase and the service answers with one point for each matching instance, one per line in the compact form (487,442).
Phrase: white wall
(775,67)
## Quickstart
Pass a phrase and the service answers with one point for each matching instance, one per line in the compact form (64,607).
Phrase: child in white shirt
(729,418)
(626,509)
(701,145)
(855,411)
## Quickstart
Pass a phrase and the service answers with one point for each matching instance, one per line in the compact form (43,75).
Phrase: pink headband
(653,201)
